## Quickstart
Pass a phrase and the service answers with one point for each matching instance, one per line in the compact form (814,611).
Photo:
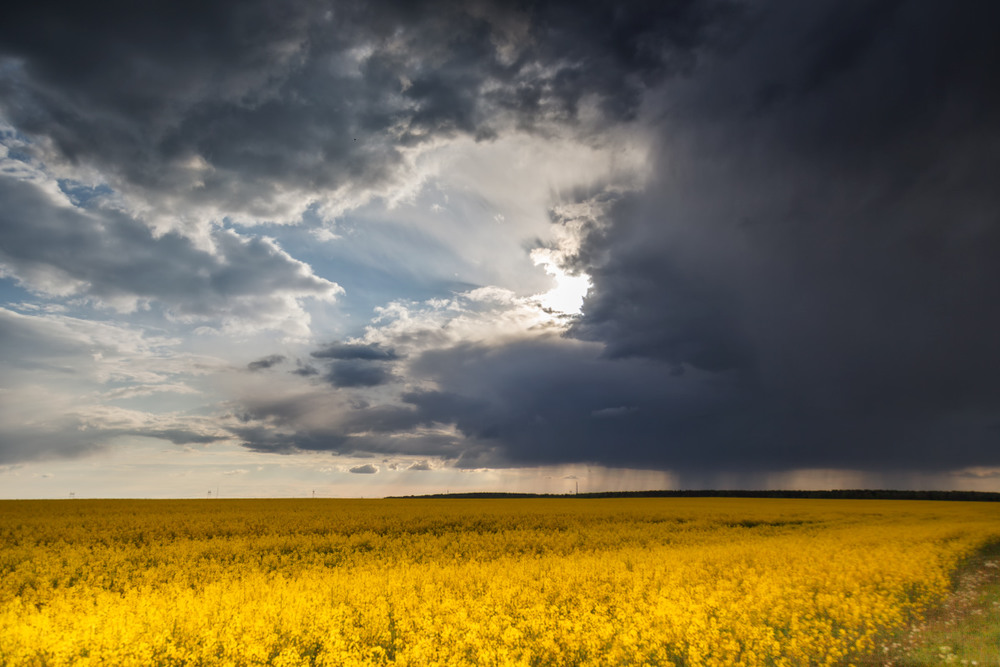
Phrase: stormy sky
(372,248)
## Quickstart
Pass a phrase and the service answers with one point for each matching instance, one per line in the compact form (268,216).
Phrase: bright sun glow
(568,294)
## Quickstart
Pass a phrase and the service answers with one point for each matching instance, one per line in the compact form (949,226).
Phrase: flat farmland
(560,581)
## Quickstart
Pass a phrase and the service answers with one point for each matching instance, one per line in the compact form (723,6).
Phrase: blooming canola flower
(692,582)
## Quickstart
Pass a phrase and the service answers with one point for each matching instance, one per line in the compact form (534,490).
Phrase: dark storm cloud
(352,417)
(824,226)
(265,363)
(366,469)
(322,423)
(809,280)
(263,438)
(318,96)
(358,351)
(548,401)
(357,364)
(358,373)
(337,440)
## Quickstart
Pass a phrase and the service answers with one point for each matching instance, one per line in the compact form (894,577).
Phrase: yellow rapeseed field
(695,582)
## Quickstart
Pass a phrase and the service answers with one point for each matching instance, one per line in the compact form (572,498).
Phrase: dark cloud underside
(355,373)
(315,96)
(358,351)
(825,228)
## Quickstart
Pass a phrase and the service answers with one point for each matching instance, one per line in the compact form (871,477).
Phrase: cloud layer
(799,272)
(239,109)
(804,282)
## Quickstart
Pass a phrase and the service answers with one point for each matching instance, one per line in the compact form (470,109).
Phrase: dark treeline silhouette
(846,494)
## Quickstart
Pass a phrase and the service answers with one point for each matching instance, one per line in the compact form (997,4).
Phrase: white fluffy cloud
(58,248)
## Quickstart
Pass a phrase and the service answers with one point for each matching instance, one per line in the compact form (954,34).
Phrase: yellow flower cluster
(692,582)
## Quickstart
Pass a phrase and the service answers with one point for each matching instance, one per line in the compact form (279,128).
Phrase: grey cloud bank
(233,104)
(804,276)
(824,231)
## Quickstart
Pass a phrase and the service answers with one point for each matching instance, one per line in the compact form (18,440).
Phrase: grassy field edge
(963,630)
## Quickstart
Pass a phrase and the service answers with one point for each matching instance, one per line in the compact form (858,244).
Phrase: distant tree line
(845,494)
